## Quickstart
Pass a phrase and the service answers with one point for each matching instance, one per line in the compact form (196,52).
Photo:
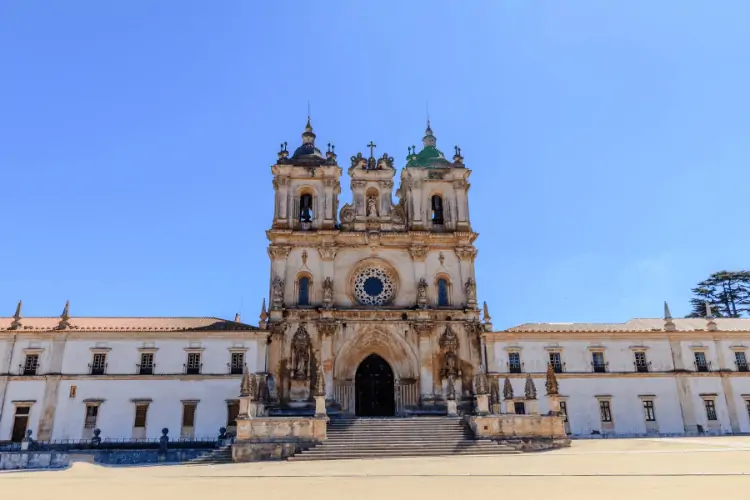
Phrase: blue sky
(608,143)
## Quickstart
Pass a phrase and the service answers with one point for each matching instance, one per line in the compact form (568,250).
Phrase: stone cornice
(388,239)
(532,336)
(137,336)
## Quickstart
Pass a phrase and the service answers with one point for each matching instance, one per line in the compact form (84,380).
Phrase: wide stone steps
(222,455)
(399,437)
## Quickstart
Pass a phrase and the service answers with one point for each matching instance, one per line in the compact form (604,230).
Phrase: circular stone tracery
(373,286)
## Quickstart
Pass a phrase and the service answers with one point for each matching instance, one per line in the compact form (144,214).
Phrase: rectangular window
(519,407)
(597,361)
(238,363)
(741,361)
(605,411)
(31,364)
(193,363)
(700,361)
(92,412)
(648,409)
(514,362)
(140,415)
(564,410)
(233,409)
(710,409)
(641,365)
(556,362)
(98,363)
(147,364)
(188,414)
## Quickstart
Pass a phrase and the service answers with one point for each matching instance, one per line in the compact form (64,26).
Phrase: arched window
(305,208)
(303,291)
(437,209)
(442,286)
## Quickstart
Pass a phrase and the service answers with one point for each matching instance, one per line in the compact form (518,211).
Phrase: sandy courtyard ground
(689,468)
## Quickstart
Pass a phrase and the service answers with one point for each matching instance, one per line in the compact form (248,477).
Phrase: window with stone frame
(237,363)
(98,363)
(147,364)
(31,364)
(193,363)
(641,364)
(514,362)
(740,360)
(188,414)
(443,292)
(597,362)
(92,413)
(605,410)
(648,410)
(303,291)
(710,409)
(564,410)
(701,364)
(519,407)
(555,359)
(141,411)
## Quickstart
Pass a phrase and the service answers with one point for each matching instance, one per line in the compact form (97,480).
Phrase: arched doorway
(373,385)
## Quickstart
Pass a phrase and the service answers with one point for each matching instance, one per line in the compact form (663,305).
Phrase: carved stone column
(424,331)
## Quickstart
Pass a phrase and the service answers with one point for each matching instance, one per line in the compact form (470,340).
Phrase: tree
(728,293)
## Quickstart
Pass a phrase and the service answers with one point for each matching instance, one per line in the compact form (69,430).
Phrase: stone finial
(65,317)
(668,323)
(16,324)
(237,317)
(550,384)
(245,384)
(487,318)
(711,324)
(320,381)
(481,382)
(253,392)
(263,313)
(529,388)
(507,389)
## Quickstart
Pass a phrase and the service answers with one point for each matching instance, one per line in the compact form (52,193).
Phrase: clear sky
(608,143)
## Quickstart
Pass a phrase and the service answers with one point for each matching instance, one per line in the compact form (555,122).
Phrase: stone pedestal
(299,393)
(510,407)
(452,408)
(496,408)
(320,406)
(532,407)
(554,404)
(483,404)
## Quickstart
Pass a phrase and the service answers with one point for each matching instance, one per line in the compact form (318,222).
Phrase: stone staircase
(221,455)
(350,438)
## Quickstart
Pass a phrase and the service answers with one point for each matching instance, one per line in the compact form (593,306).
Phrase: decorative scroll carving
(418,252)
(279,251)
(301,354)
(327,251)
(326,329)
(466,253)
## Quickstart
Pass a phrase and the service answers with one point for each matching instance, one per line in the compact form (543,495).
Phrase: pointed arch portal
(374,388)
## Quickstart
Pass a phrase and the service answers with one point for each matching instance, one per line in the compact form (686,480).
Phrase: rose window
(373,286)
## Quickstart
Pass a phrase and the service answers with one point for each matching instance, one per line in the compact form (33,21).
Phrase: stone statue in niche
(449,346)
(372,209)
(301,354)
(277,293)
(471,291)
(328,292)
(422,293)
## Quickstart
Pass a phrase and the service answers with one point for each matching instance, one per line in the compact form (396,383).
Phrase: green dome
(430,156)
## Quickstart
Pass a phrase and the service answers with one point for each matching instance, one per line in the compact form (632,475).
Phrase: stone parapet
(509,426)
(276,438)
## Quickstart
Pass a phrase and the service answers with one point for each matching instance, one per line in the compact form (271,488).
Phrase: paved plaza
(684,468)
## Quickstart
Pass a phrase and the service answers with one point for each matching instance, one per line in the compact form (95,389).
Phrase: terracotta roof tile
(126,324)
(638,325)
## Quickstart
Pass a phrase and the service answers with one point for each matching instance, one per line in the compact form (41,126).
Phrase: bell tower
(306,186)
(434,189)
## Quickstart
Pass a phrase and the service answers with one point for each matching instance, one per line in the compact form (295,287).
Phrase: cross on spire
(372,146)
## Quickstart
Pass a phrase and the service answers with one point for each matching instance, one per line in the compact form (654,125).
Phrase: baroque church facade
(379,300)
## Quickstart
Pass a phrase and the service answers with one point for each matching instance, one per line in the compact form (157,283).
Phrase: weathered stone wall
(276,438)
(517,426)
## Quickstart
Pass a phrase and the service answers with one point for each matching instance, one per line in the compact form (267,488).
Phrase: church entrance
(373,387)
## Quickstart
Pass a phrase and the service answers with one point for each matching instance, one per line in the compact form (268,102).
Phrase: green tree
(728,293)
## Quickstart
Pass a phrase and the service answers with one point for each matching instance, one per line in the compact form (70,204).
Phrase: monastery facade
(380,299)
